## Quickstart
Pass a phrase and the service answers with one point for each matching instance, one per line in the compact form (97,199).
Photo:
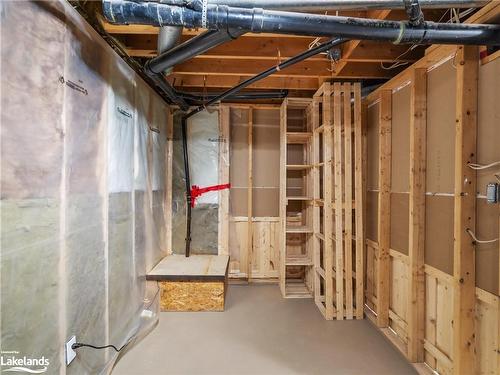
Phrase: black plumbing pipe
(189,49)
(188,185)
(260,20)
(201,98)
(414,12)
(291,61)
(168,90)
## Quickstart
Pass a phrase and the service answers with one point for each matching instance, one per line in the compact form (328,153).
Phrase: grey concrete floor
(262,333)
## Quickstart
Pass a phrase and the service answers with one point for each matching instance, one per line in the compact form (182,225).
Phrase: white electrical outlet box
(70,352)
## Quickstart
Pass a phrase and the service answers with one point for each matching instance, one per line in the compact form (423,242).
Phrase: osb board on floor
(192,296)
(196,267)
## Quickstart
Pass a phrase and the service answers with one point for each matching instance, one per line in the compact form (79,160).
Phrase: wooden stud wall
(252,242)
(339,261)
(440,321)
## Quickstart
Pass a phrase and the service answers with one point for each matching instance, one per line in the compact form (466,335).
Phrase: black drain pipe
(293,60)
(197,98)
(263,20)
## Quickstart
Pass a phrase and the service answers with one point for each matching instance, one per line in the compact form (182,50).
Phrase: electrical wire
(479,167)
(397,64)
(476,240)
(77,345)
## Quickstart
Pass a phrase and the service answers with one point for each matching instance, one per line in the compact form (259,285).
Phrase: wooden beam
(305,69)
(272,49)
(416,289)
(290,83)
(349,48)
(359,199)
(384,209)
(224,161)
(467,58)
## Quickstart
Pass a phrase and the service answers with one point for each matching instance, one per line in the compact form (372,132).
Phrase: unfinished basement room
(250,187)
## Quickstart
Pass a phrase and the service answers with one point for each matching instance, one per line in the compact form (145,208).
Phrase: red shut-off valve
(196,191)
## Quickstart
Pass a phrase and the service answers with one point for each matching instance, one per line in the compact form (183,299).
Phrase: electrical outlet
(70,352)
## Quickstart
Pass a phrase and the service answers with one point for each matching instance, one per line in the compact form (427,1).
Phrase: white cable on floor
(482,166)
(473,236)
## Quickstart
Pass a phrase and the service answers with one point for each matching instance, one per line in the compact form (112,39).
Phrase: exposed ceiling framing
(233,62)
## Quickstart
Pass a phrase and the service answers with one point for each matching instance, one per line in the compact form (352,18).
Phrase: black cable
(77,345)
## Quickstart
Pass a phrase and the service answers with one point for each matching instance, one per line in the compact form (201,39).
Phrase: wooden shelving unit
(338,201)
(296,199)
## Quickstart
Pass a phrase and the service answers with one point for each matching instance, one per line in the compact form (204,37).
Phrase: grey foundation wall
(82,190)
(203,149)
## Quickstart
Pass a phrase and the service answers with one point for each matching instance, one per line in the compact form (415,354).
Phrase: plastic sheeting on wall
(81,223)
(203,146)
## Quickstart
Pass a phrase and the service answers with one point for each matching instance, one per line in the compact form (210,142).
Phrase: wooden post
(316,197)
(339,200)
(467,62)
(250,194)
(359,199)
(283,202)
(223,237)
(328,199)
(168,176)
(416,289)
(384,209)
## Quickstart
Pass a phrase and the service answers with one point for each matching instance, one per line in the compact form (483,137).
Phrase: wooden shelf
(298,229)
(298,260)
(297,290)
(298,167)
(299,198)
(298,137)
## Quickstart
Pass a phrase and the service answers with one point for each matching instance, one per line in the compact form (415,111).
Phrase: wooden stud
(283,137)
(348,201)
(359,199)
(498,302)
(316,196)
(168,177)
(250,195)
(223,237)
(328,199)
(416,288)
(384,215)
(465,206)
(339,236)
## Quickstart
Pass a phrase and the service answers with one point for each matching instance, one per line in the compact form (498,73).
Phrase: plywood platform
(196,283)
